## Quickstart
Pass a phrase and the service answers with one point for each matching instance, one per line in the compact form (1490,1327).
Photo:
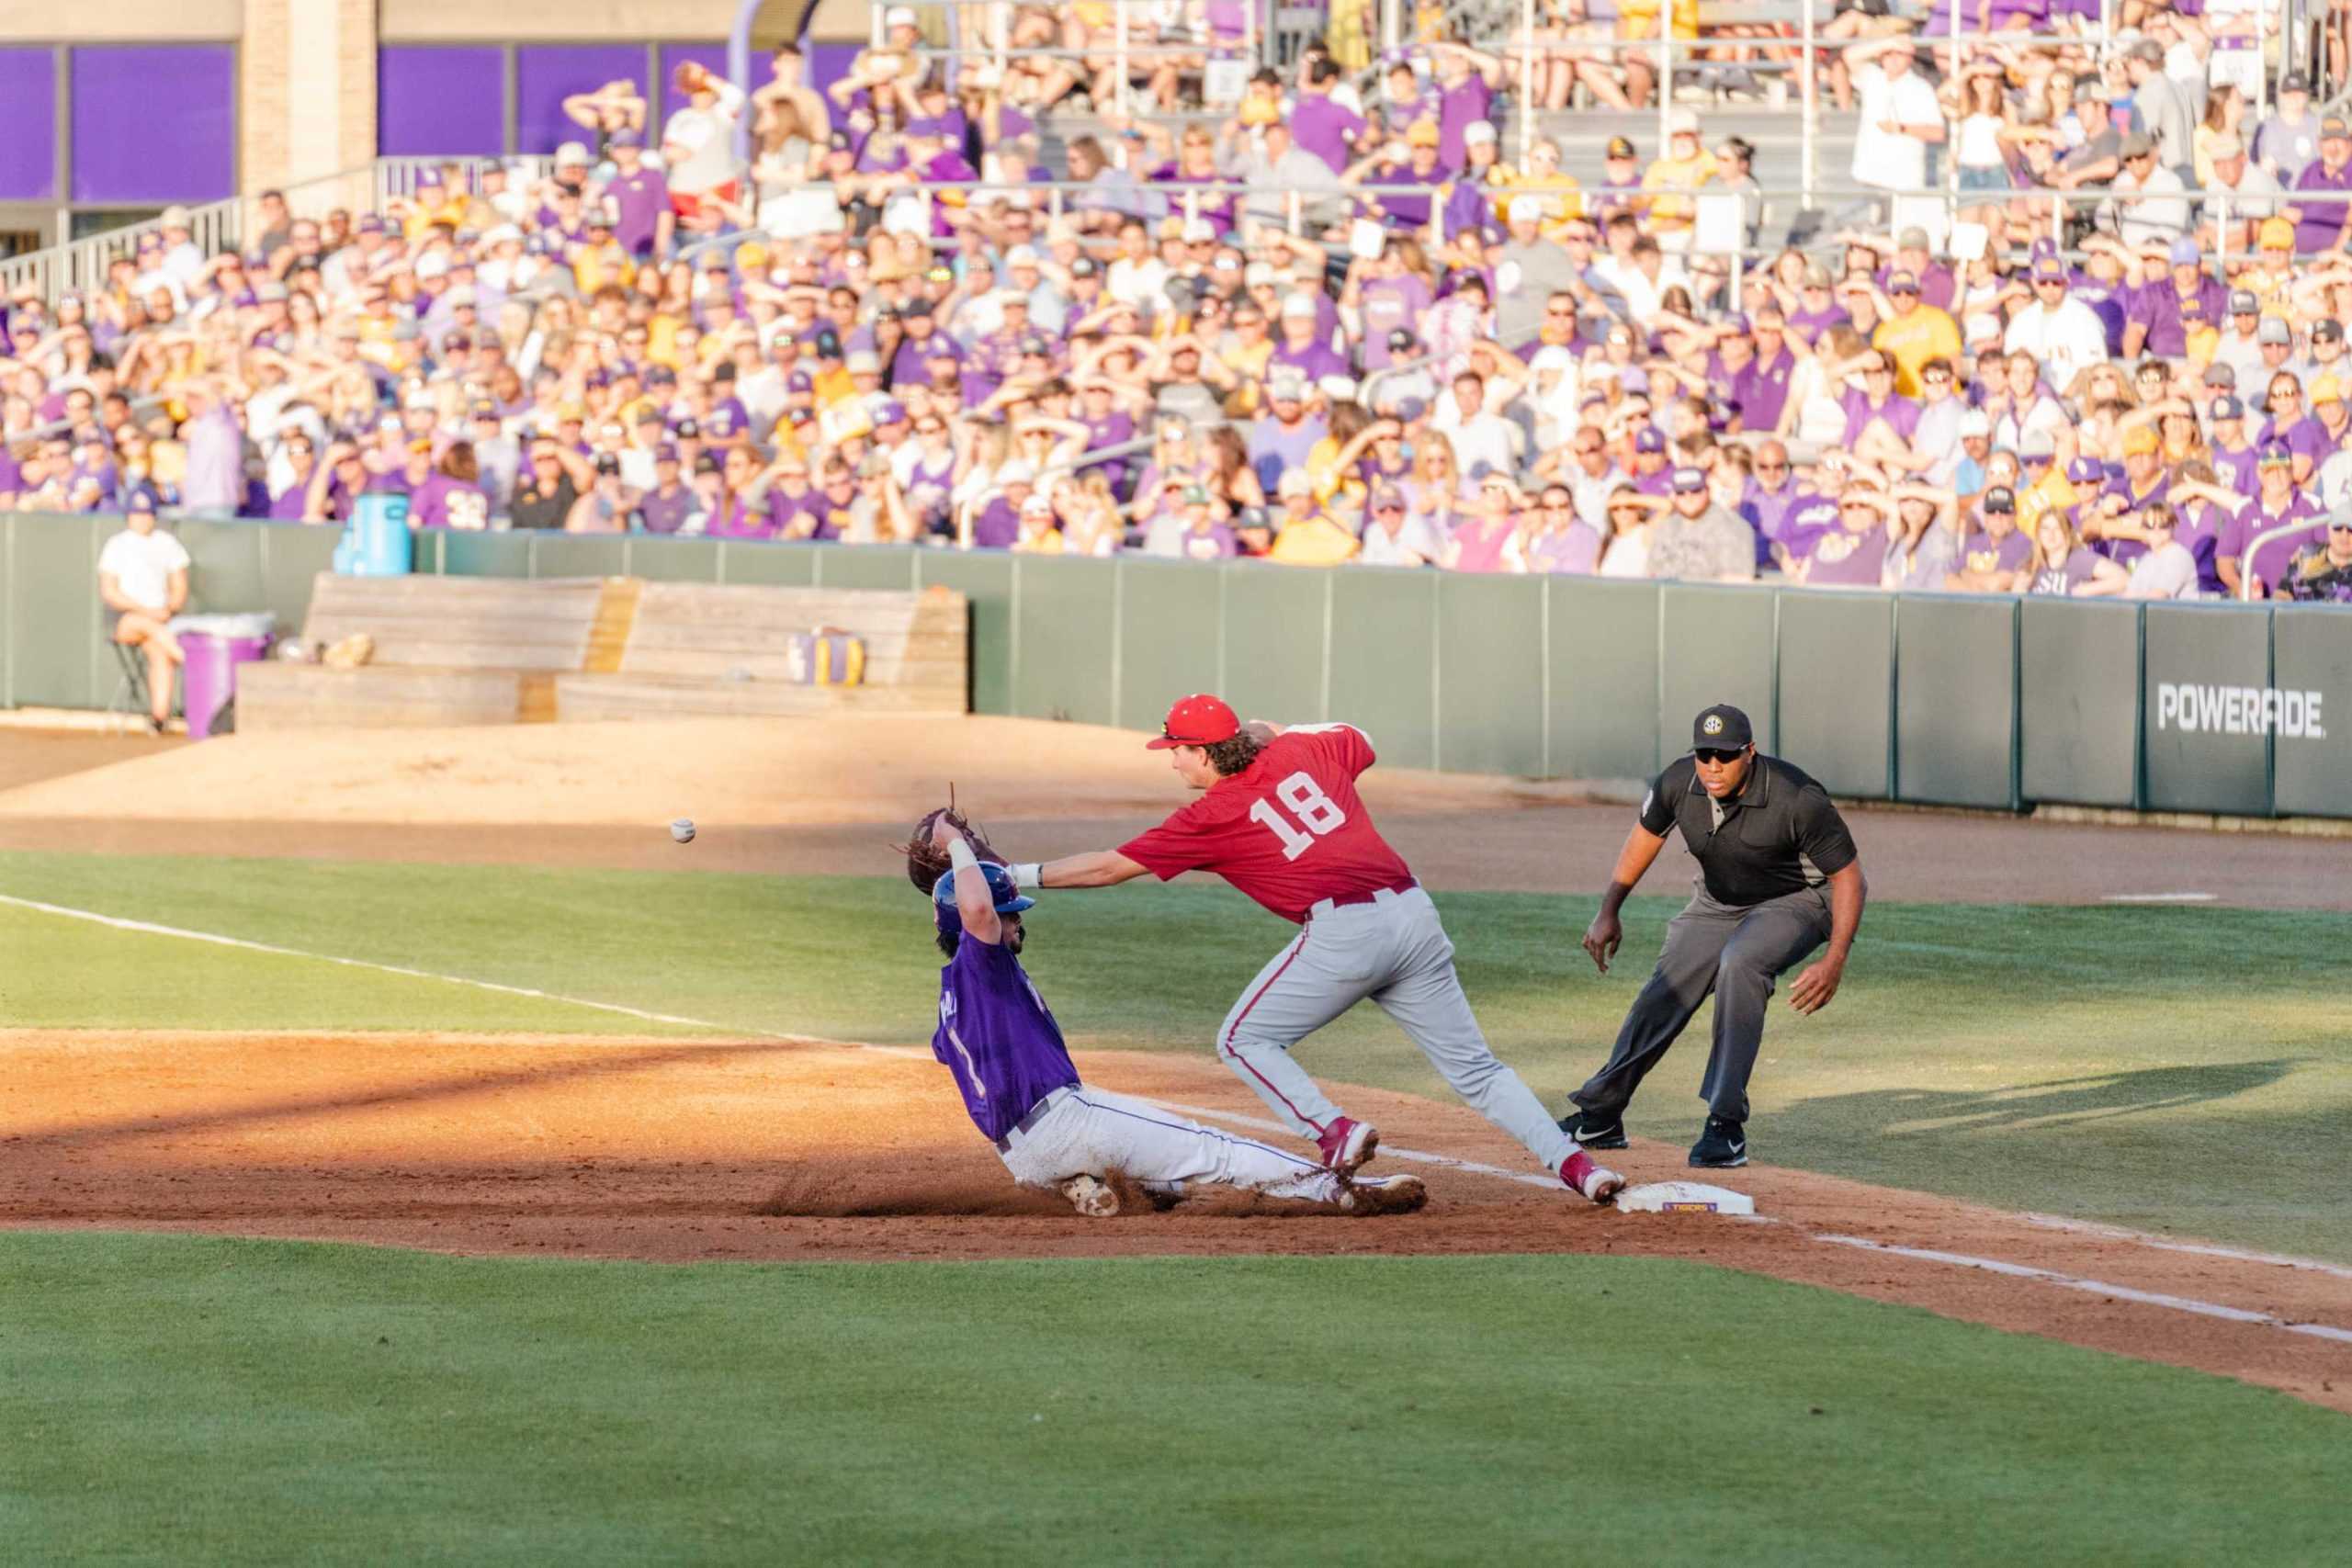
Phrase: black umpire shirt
(1780,834)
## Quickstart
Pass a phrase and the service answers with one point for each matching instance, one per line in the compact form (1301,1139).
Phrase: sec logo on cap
(1714,724)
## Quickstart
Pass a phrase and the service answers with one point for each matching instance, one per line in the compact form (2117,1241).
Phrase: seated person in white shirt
(142,579)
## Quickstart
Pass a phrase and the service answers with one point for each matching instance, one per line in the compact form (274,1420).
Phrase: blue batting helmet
(1009,899)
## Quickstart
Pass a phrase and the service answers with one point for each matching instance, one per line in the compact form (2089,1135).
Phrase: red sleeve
(1175,847)
(1345,745)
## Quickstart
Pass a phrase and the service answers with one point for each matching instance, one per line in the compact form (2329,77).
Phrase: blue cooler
(376,542)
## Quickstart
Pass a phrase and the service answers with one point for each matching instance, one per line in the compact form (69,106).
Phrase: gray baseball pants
(1394,951)
(1735,953)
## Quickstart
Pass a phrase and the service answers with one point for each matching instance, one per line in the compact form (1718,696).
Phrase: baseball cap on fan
(1200,720)
(1721,727)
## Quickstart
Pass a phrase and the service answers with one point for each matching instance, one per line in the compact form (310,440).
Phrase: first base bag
(826,656)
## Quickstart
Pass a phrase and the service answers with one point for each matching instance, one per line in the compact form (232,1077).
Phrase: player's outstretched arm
(1096,868)
(974,905)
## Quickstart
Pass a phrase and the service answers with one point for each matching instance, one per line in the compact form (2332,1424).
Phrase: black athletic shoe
(1723,1146)
(1595,1129)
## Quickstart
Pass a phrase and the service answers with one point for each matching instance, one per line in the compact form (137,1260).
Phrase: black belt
(1372,895)
(1031,1117)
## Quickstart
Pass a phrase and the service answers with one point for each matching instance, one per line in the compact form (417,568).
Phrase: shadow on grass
(2059,1102)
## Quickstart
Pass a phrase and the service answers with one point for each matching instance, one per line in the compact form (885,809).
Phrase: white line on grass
(148,927)
(2157,898)
(2015,1271)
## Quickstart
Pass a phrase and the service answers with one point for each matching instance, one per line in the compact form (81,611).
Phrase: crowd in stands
(1340,325)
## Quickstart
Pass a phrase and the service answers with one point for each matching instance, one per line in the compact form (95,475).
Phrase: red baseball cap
(1197,720)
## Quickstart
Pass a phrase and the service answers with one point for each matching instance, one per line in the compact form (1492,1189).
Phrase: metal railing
(1123,52)
(81,267)
(1936,207)
(83,264)
(2246,574)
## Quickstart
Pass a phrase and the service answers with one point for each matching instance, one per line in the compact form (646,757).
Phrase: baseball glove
(927,863)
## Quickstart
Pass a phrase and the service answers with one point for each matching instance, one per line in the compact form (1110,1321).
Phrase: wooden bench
(707,648)
(447,651)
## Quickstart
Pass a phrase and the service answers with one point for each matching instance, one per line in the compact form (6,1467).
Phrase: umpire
(1778,876)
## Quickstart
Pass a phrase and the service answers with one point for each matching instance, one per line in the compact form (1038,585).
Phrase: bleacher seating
(452,651)
(706,649)
(446,650)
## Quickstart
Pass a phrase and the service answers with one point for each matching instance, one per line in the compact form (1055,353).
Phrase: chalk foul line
(148,927)
(2198,1249)
(2094,1287)
(1426,1156)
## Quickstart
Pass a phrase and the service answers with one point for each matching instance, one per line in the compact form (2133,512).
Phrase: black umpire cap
(1721,727)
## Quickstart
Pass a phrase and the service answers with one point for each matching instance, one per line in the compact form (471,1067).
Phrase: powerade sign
(2215,708)
(2239,710)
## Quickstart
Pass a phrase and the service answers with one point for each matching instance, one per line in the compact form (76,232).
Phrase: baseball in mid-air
(683,829)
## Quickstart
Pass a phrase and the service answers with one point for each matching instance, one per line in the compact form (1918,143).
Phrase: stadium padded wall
(2311,651)
(2199,752)
(2078,701)
(1937,699)
(1842,730)
(1955,700)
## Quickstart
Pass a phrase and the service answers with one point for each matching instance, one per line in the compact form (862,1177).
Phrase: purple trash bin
(215,646)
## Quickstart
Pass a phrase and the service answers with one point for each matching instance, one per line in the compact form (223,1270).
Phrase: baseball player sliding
(1279,817)
(1005,1052)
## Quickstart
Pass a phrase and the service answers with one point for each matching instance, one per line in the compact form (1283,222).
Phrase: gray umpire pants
(1736,953)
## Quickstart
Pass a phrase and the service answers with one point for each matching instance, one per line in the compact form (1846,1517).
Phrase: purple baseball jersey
(996,1037)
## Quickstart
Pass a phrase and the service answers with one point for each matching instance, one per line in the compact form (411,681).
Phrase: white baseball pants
(1394,951)
(1089,1132)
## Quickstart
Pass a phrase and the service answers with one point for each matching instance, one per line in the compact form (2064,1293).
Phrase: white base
(1684,1198)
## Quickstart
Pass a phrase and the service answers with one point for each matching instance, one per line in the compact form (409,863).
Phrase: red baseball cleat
(1597,1182)
(1348,1144)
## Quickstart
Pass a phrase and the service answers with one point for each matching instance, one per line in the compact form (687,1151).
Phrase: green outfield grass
(173,1399)
(2188,1069)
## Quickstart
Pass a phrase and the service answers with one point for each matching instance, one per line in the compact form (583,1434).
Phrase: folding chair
(129,700)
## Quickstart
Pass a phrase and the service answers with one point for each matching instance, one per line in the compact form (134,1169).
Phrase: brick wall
(308,89)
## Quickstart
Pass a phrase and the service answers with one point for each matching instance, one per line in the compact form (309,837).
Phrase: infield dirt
(751,1149)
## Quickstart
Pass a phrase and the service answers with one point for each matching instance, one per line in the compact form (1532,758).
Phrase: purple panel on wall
(434,102)
(29,153)
(829,63)
(155,124)
(546,74)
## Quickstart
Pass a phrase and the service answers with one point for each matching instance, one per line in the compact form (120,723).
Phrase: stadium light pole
(739,68)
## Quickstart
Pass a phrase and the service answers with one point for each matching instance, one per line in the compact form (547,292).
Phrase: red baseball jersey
(1289,829)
